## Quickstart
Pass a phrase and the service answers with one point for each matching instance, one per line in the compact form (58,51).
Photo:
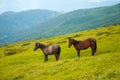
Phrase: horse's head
(70,42)
(36,46)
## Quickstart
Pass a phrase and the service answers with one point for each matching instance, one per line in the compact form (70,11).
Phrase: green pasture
(18,61)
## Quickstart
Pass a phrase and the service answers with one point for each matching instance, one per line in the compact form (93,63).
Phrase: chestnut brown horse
(82,45)
(49,50)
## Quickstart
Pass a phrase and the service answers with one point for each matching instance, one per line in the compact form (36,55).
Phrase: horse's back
(86,43)
(56,48)
(91,39)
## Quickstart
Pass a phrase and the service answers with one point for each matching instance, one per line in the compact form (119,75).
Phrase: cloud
(97,1)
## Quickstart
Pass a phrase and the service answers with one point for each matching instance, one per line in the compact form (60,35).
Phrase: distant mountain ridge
(13,24)
(28,18)
(75,21)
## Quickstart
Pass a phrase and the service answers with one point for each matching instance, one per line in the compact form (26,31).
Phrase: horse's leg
(78,53)
(92,48)
(57,57)
(45,58)
(57,54)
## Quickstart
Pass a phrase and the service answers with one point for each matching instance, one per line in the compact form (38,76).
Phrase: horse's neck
(43,46)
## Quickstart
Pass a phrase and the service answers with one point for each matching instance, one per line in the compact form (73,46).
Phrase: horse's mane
(76,42)
(41,45)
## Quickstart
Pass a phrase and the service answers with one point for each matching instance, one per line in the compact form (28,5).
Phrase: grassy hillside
(18,61)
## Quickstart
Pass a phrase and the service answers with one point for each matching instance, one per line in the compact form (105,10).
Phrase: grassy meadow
(18,61)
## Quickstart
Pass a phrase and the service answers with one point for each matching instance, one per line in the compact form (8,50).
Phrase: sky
(55,5)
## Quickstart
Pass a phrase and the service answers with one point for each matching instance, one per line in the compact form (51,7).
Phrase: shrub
(77,35)
(26,44)
(101,33)
(10,51)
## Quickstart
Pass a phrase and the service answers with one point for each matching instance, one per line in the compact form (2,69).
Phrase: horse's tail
(95,46)
(59,50)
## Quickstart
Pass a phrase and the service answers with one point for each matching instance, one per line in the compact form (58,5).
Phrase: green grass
(18,61)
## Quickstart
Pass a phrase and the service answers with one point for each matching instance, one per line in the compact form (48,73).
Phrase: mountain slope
(18,61)
(28,18)
(70,22)
(77,20)
(13,25)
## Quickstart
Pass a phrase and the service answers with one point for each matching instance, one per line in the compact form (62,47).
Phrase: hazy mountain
(14,24)
(75,21)
(28,18)
(55,24)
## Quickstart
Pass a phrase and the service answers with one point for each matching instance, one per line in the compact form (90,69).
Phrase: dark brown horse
(49,50)
(82,45)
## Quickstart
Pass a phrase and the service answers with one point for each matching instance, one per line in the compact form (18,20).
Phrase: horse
(49,50)
(82,45)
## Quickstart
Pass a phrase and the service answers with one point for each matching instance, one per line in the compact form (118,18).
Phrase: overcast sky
(56,5)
